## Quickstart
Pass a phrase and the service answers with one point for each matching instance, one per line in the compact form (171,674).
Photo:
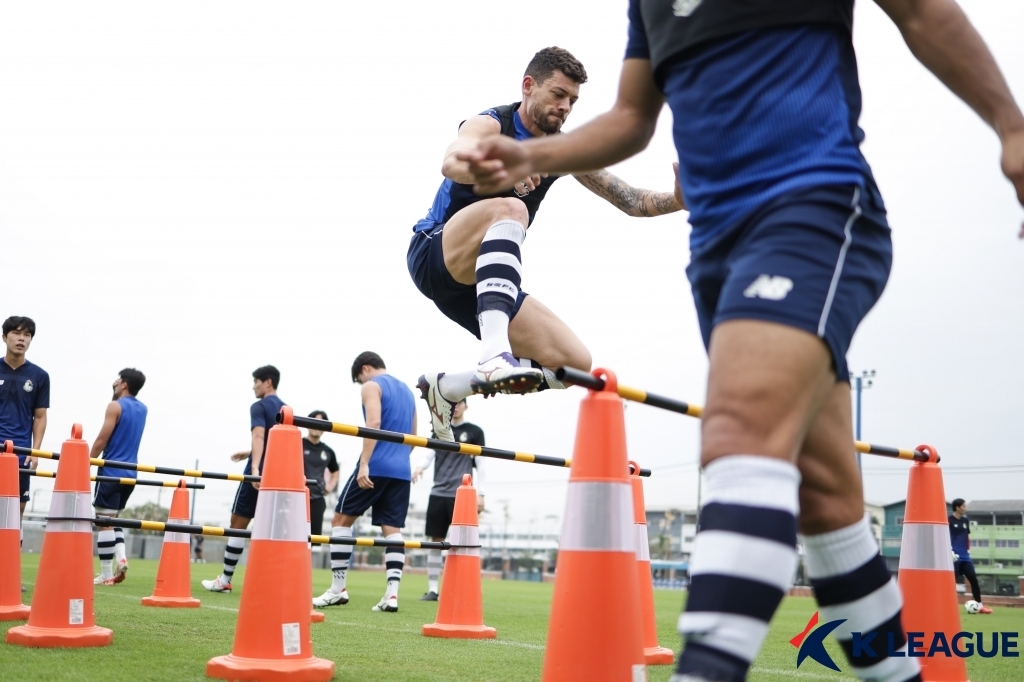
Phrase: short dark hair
(958,502)
(318,414)
(16,323)
(552,59)
(367,357)
(133,378)
(268,372)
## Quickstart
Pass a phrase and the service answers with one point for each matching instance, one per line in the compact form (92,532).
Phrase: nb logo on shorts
(684,8)
(770,288)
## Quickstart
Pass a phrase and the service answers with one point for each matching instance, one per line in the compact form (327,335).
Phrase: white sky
(196,189)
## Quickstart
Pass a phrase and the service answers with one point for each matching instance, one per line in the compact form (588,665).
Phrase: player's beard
(549,124)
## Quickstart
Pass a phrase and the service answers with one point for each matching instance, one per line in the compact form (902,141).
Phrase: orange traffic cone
(11,607)
(272,640)
(174,574)
(62,601)
(460,610)
(926,569)
(596,633)
(653,653)
(314,615)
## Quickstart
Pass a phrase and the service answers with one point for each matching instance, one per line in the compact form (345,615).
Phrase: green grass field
(174,644)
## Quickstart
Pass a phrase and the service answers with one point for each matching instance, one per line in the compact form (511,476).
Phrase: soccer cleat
(503,374)
(121,571)
(389,604)
(217,585)
(984,609)
(440,408)
(100,580)
(429,596)
(329,598)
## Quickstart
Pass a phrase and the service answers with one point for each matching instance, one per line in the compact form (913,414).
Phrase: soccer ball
(972,606)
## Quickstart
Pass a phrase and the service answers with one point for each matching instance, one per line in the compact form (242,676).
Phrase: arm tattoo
(628,199)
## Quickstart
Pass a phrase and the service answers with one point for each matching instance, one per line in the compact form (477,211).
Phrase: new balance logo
(684,8)
(770,288)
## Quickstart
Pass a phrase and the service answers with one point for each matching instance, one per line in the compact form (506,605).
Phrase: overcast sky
(196,189)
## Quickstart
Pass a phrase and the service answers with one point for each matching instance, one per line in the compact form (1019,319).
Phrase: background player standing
(118,441)
(317,458)
(959,538)
(449,468)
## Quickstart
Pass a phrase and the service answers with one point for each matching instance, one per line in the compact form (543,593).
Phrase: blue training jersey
(397,411)
(959,536)
(22,392)
(263,413)
(123,445)
(760,113)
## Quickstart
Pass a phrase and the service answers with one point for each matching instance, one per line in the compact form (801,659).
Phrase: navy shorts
(389,498)
(111,495)
(810,259)
(23,479)
(456,300)
(245,500)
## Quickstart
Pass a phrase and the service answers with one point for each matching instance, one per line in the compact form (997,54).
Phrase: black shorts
(317,507)
(111,495)
(811,259)
(23,479)
(389,498)
(439,516)
(456,300)
(245,500)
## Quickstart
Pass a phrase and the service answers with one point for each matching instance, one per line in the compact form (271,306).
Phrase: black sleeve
(332,460)
(478,436)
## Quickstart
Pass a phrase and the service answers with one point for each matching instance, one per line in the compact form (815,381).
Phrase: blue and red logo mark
(811,644)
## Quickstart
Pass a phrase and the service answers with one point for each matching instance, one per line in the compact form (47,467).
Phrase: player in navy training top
(465,254)
(262,417)
(960,540)
(118,441)
(789,250)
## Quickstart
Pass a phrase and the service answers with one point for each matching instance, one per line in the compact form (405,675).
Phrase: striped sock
(549,381)
(105,547)
(433,569)
(394,562)
(743,562)
(499,272)
(341,556)
(232,553)
(851,582)
(119,553)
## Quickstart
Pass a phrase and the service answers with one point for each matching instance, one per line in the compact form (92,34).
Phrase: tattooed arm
(632,200)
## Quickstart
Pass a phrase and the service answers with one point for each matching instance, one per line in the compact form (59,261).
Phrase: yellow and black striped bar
(161,527)
(115,479)
(574,376)
(421,442)
(150,468)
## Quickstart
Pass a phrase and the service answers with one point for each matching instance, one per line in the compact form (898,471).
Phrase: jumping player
(465,254)
(790,248)
(117,441)
(960,539)
(381,480)
(262,417)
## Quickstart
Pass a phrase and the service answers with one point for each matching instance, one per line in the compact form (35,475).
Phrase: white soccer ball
(972,606)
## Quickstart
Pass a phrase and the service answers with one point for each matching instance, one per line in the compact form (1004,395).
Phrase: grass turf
(174,644)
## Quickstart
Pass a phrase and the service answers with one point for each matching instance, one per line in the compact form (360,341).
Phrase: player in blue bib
(790,249)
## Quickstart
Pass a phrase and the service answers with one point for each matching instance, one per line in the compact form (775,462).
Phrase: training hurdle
(115,479)
(432,443)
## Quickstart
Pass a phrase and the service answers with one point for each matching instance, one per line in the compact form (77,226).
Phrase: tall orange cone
(926,569)
(460,610)
(314,615)
(272,640)
(11,607)
(654,654)
(174,574)
(62,613)
(596,632)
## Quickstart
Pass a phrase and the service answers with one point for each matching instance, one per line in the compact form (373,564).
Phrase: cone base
(459,631)
(28,635)
(233,667)
(19,612)
(316,617)
(171,602)
(658,655)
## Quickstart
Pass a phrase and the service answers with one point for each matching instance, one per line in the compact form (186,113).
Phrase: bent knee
(509,208)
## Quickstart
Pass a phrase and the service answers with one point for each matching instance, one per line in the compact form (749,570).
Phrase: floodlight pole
(862,381)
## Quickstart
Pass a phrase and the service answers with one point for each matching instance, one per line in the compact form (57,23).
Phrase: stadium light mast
(861,382)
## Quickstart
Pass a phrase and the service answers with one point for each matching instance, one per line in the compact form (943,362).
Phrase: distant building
(670,532)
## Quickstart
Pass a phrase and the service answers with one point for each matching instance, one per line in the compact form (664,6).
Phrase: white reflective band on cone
(926,547)
(280,515)
(643,547)
(464,535)
(177,537)
(598,518)
(64,504)
(10,513)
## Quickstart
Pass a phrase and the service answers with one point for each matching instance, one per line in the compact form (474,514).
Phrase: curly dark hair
(552,59)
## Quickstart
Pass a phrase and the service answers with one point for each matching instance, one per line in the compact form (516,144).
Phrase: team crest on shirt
(463,437)
(684,8)
(770,288)
(323,456)
(28,386)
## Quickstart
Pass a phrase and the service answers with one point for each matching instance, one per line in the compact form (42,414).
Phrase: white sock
(119,553)
(105,546)
(394,562)
(493,334)
(499,272)
(433,569)
(456,387)
(232,554)
(341,557)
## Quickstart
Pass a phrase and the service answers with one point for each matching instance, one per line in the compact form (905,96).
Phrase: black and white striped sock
(433,570)
(105,549)
(852,583)
(499,272)
(119,551)
(394,562)
(341,555)
(232,553)
(743,562)
(549,381)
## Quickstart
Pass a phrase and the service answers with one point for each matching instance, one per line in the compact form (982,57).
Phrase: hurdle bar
(115,479)
(150,468)
(217,531)
(421,442)
(569,375)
